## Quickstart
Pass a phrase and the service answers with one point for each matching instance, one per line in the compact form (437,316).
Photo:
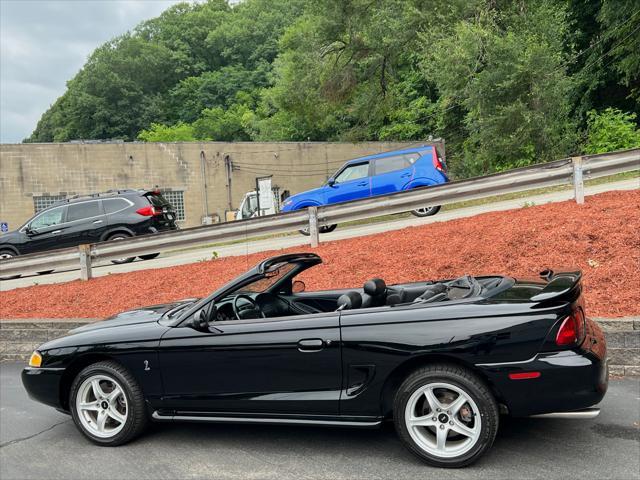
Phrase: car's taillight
(437,164)
(572,329)
(148,211)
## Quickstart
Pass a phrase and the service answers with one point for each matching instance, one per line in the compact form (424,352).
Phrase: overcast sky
(43,43)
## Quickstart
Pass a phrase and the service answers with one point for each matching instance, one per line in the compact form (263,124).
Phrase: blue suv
(379,174)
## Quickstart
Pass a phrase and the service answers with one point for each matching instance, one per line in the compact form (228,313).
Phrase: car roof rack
(89,196)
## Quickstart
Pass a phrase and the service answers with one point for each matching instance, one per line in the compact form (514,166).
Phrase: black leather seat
(375,293)
(350,301)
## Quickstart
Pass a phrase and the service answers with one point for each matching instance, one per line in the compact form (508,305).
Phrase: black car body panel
(312,362)
(91,219)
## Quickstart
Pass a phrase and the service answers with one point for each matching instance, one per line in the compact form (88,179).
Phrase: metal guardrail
(570,170)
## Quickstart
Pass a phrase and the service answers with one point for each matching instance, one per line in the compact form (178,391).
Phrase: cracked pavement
(38,442)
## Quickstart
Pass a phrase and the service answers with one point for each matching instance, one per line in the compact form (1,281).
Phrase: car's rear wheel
(7,254)
(425,211)
(445,415)
(151,256)
(324,229)
(107,404)
(120,261)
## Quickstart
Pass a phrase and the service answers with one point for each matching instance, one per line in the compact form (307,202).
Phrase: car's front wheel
(107,404)
(425,211)
(446,415)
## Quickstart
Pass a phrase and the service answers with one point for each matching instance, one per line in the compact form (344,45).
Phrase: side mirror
(29,231)
(200,322)
(331,182)
(298,286)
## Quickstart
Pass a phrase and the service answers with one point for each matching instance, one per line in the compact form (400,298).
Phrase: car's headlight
(35,360)
(287,203)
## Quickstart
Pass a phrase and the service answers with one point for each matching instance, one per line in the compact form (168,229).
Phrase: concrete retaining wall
(18,338)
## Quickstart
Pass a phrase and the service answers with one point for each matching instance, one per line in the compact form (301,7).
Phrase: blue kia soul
(374,175)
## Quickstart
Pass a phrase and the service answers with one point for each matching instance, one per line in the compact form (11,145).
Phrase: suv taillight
(149,211)
(572,329)
(437,164)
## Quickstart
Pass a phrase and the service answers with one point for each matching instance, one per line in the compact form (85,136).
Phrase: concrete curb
(20,337)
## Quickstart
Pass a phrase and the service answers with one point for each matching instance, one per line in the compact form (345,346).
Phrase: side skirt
(366,422)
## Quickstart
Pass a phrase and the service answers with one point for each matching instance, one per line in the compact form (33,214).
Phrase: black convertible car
(442,359)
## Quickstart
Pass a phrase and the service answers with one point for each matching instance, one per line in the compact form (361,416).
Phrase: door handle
(55,232)
(405,175)
(363,184)
(311,345)
(97,222)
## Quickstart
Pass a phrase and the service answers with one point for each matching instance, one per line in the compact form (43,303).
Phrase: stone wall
(18,338)
(196,169)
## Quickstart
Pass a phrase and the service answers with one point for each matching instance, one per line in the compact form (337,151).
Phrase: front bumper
(43,384)
(569,380)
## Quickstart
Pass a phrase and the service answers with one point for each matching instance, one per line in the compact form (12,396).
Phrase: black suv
(113,215)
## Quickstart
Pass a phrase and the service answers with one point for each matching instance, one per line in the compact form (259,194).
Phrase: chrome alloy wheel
(443,420)
(425,211)
(102,406)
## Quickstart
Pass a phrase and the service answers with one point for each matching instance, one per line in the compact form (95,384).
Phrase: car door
(86,222)
(351,183)
(46,231)
(391,174)
(287,365)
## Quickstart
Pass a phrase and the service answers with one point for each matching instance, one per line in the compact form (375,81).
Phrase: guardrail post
(578,180)
(85,262)
(314,233)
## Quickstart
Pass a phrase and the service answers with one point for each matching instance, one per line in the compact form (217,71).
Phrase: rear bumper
(43,384)
(569,380)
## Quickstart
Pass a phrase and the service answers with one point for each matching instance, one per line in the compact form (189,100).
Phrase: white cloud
(43,43)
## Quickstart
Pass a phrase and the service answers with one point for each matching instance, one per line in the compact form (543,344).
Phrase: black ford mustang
(442,359)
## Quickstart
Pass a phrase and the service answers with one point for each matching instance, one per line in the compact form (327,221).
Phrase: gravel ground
(36,442)
(600,238)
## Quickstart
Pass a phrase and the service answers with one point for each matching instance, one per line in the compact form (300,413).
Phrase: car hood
(131,317)
(9,236)
(314,193)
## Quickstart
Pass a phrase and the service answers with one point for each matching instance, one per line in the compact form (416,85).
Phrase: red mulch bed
(601,238)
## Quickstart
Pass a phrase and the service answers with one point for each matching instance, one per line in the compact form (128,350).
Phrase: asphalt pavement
(36,442)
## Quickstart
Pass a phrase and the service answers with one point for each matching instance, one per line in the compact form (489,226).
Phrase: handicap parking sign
(4,227)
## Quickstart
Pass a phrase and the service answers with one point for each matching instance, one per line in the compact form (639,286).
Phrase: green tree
(180,132)
(502,75)
(611,130)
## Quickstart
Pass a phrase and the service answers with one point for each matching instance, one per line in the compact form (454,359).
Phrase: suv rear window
(112,205)
(157,200)
(396,162)
(82,210)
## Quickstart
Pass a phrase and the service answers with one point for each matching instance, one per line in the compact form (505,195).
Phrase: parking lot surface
(38,442)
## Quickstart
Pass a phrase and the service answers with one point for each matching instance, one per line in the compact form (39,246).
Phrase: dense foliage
(505,82)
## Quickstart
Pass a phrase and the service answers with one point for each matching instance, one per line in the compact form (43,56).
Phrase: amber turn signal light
(35,360)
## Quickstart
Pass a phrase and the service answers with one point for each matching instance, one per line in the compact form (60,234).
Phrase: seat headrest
(375,287)
(350,301)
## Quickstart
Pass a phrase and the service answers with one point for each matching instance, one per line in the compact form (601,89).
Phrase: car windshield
(272,276)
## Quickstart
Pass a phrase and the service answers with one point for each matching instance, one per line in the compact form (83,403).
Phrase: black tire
(473,387)
(426,211)
(121,236)
(325,229)
(328,228)
(136,419)
(151,256)
(8,254)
